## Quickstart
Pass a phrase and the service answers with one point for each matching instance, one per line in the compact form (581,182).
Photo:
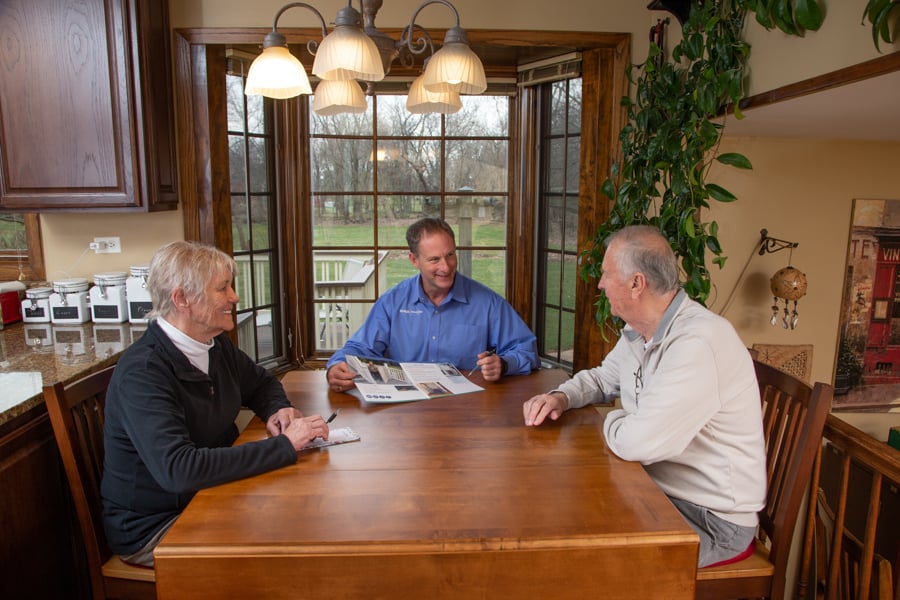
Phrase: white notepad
(335,437)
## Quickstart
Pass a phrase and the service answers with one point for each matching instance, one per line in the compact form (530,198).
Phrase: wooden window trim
(33,265)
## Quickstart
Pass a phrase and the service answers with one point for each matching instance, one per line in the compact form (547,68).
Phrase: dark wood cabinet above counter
(86,109)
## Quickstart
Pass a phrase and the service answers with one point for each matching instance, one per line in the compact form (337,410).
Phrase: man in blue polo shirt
(440,315)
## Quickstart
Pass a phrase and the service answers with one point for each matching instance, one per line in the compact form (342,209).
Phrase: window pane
(556,166)
(472,222)
(480,116)
(236,165)
(240,223)
(262,262)
(264,339)
(259,174)
(573,146)
(551,333)
(341,165)
(12,235)
(557,111)
(235,92)
(571,227)
(553,227)
(350,225)
(356,124)
(553,278)
(569,280)
(409,165)
(567,337)
(395,120)
(479,165)
(256,120)
(261,222)
(489,268)
(575,106)
(395,213)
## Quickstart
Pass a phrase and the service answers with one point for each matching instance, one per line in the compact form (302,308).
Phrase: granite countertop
(33,355)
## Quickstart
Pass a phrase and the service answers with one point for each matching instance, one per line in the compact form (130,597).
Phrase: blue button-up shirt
(405,326)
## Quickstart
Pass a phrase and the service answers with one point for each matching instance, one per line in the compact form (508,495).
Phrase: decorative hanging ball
(788,283)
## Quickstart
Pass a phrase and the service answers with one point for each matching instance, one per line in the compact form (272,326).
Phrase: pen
(490,352)
(333,416)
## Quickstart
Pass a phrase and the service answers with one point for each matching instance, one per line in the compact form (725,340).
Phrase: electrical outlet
(107,245)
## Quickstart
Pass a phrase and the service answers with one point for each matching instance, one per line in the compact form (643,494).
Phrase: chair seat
(116,568)
(755,565)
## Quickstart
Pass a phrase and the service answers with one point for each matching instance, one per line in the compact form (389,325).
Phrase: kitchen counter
(33,355)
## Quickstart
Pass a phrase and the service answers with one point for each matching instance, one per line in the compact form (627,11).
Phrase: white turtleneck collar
(196,352)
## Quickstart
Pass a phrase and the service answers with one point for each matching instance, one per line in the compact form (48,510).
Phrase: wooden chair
(76,413)
(793,419)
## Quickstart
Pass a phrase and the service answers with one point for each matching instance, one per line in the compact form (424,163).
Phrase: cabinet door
(85,105)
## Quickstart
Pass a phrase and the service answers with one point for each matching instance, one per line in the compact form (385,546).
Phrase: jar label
(35,313)
(105,311)
(66,312)
(140,310)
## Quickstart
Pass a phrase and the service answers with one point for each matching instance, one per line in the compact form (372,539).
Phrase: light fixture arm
(769,245)
(274,38)
(454,34)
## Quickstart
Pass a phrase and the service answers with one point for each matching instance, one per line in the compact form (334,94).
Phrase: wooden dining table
(450,497)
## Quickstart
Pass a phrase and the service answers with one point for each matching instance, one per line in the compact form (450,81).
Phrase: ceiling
(865,110)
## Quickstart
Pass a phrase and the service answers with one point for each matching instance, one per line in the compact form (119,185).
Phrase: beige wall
(803,192)
(798,190)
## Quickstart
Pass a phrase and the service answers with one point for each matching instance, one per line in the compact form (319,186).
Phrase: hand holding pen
(490,364)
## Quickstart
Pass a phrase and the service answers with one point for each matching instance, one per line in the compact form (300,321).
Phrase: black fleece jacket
(169,432)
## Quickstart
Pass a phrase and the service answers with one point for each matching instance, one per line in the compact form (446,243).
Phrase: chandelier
(355,52)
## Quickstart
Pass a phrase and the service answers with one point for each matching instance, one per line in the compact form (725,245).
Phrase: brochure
(381,380)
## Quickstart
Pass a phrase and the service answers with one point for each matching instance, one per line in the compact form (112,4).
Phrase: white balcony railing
(341,276)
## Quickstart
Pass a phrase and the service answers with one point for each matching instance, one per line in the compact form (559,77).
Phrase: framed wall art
(867,368)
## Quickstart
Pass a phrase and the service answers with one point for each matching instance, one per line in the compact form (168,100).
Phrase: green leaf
(720,193)
(735,160)
(783,17)
(608,189)
(808,14)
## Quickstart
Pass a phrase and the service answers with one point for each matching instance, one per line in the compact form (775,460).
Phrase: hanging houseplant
(671,139)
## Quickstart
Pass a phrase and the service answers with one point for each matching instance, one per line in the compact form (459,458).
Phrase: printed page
(439,379)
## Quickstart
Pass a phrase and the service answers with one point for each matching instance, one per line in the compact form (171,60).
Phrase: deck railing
(343,281)
(852,542)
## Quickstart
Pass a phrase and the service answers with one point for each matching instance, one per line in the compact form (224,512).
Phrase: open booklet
(382,380)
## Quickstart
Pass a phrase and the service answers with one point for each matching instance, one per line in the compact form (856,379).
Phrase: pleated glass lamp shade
(455,68)
(338,97)
(276,73)
(421,101)
(348,53)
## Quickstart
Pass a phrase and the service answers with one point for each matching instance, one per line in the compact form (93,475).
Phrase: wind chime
(787,284)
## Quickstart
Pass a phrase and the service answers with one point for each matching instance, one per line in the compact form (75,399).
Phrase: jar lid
(111,278)
(65,286)
(139,270)
(38,292)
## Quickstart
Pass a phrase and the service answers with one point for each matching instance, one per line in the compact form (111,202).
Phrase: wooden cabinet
(86,111)
(40,556)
